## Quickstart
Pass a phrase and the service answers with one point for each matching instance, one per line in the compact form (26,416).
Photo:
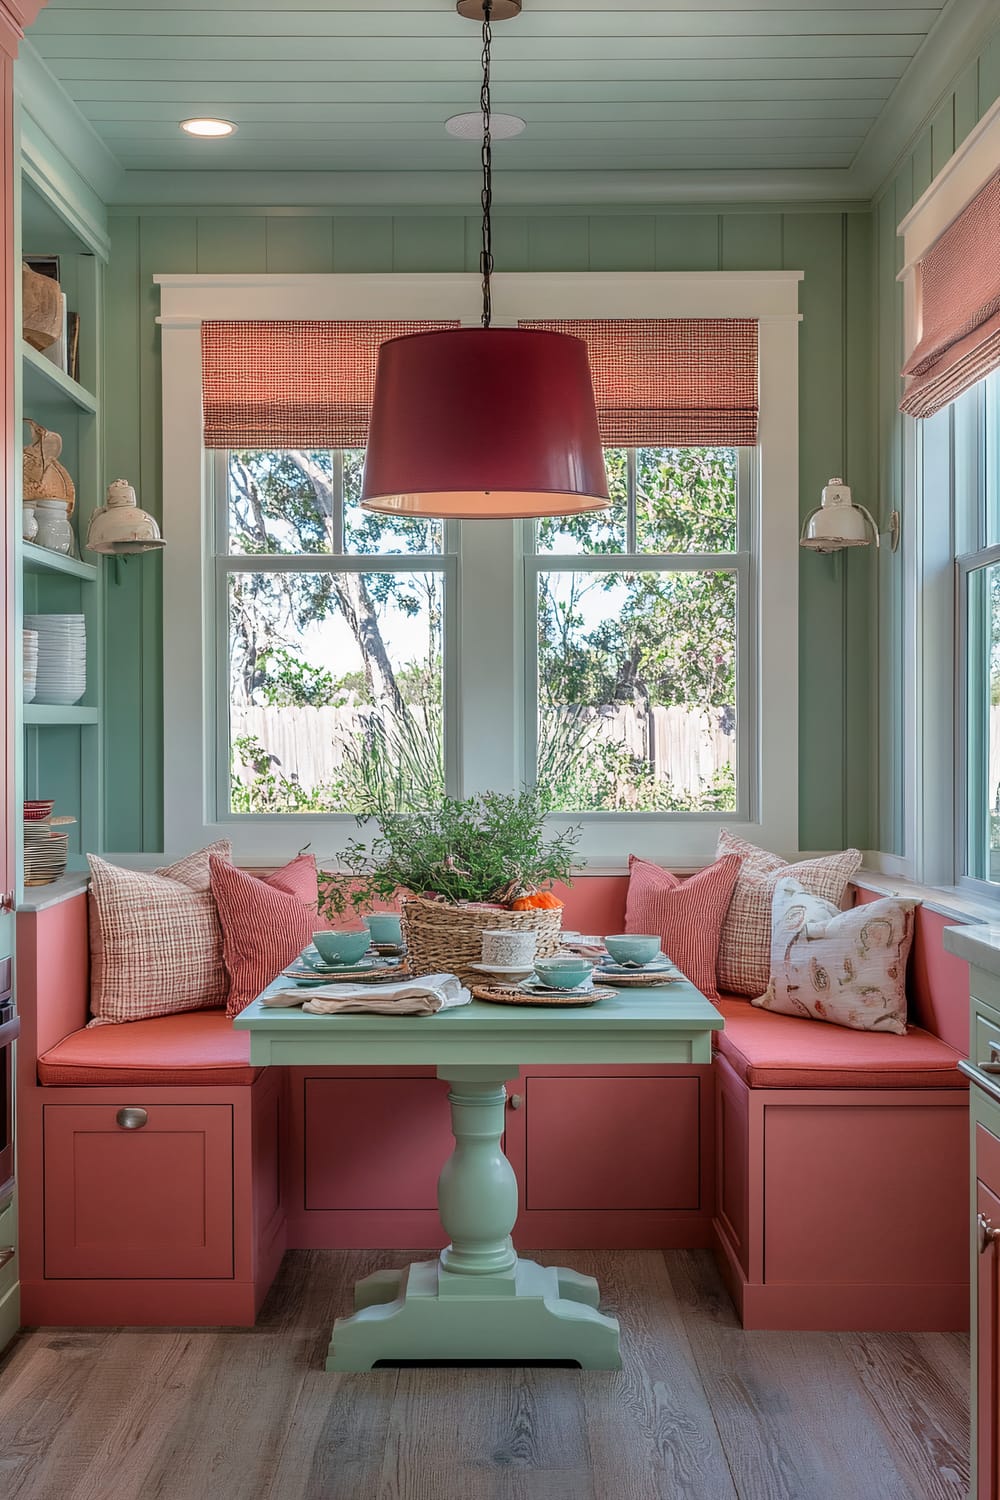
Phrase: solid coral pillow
(687,914)
(265,923)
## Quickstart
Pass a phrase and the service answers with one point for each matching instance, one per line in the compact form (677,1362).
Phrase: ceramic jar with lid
(54,530)
(29,526)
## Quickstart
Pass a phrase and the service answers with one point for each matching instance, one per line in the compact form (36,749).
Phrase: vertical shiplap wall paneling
(126,661)
(860,602)
(295,243)
(170,244)
(428,244)
(989,74)
(831,248)
(688,242)
(815,243)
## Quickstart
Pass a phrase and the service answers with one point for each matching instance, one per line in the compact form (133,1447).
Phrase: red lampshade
(484,422)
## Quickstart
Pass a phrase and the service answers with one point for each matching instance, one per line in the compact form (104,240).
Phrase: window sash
(742,563)
(224,564)
(972,728)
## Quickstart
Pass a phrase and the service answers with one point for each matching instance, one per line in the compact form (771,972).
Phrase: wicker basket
(444,938)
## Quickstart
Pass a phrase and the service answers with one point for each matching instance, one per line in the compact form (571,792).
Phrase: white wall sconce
(119,527)
(839,522)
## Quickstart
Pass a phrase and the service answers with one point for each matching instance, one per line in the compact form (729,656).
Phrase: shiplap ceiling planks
(640,86)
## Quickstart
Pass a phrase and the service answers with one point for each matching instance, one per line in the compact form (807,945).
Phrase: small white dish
(511,972)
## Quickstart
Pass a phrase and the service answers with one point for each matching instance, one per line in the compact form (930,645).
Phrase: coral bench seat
(771,1051)
(841,1174)
(196,1048)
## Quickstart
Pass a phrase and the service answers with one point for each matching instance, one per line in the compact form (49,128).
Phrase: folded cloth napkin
(423,996)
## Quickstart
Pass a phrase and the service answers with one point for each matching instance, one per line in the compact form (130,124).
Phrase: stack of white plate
(62,657)
(29,651)
(45,851)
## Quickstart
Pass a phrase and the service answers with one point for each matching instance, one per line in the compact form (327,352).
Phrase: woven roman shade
(958,296)
(293,384)
(671,382)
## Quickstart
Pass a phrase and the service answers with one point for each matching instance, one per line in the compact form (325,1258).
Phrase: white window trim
(489,725)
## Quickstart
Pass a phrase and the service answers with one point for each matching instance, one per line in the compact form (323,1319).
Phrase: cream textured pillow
(745,945)
(155,939)
(846,967)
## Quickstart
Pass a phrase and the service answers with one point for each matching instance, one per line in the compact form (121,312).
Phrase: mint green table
(479,1299)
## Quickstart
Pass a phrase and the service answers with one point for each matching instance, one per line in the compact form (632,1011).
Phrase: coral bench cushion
(771,1051)
(193,1048)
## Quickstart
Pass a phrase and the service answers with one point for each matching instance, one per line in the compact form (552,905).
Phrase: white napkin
(423,996)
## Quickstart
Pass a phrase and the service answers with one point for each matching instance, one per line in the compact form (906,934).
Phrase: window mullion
(337,529)
(631,476)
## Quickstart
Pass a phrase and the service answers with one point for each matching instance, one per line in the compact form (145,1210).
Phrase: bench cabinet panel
(986,1303)
(375,1142)
(611,1143)
(138,1203)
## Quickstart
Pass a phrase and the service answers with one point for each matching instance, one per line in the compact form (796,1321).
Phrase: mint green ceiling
(366,88)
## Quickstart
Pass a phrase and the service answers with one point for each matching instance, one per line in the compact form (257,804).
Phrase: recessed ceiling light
(208,128)
(470,127)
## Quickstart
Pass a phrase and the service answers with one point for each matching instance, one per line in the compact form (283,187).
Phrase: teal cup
(384,926)
(632,947)
(343,947)
(562,973)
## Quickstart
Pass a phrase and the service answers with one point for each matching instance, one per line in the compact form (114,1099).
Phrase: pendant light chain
(486,254)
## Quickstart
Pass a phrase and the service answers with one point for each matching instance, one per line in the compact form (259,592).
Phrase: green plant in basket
(493,847)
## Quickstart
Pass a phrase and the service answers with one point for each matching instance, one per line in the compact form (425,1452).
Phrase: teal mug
(385,927)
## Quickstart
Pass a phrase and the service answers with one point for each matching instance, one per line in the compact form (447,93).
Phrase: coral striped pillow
(265,923)
(155,940)
(687,914)
(745,948)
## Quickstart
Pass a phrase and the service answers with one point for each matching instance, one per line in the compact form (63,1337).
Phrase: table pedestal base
(423,1312)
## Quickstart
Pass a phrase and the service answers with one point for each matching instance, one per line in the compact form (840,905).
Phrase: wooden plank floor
(700,1411)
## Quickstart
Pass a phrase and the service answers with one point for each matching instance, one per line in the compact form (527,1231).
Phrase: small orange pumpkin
(537,901)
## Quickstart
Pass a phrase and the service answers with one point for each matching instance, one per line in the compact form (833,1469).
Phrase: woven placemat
(645,981)
(508,994)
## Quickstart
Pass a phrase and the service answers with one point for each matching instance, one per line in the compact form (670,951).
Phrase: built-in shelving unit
(62,748)
(60,713)
(43,560)
(45,382)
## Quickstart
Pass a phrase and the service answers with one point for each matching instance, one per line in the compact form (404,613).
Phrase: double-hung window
(332,636)
(978,675)
(320,659)
(641,662)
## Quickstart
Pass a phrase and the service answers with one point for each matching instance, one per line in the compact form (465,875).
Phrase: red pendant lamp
(477,423)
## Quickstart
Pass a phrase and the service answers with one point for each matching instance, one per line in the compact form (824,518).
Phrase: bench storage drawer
(129,1198)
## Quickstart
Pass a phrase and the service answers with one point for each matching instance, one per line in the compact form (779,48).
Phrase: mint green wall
(832,247)
(975,90)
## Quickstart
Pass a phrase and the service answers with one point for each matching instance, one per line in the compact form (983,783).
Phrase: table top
(672,1023)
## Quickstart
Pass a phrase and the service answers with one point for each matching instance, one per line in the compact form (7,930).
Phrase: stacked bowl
(62,657)
(29,657)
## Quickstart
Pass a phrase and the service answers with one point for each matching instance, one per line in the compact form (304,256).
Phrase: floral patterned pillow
(846,967)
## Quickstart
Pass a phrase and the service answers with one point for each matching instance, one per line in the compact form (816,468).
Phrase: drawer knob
(988,1233)
(131,1117)
(516,1101)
